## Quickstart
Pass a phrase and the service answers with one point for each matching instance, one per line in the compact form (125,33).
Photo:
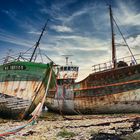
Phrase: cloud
(128,14)
(134,43)
(54,9)
(83,49)
(11,13)
(11,38)
(34,32)
(61,28)
(69,18)
(83,43)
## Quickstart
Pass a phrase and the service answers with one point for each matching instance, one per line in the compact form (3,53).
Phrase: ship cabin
(67,74)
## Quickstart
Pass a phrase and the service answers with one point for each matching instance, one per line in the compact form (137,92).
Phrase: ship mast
(113,39)
(67,57)
(37,43)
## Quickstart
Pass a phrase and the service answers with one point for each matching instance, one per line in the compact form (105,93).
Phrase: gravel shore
(55,127)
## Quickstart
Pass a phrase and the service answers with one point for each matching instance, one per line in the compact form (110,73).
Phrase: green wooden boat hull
(22,87)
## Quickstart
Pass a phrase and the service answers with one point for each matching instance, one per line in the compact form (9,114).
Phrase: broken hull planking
(21,90)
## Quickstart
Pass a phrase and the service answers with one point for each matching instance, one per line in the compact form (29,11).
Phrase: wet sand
(55,127)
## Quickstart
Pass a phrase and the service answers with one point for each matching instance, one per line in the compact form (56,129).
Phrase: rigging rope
(124,40)
(40,54)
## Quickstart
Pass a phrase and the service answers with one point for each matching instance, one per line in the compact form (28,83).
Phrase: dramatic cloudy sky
(76,27)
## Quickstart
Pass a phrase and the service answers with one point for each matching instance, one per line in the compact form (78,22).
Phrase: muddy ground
(88,127)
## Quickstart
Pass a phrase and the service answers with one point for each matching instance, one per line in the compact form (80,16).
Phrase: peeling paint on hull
(21,90)
(112,91)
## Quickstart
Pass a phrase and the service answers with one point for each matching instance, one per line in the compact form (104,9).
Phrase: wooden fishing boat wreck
(23,85)
(113,87)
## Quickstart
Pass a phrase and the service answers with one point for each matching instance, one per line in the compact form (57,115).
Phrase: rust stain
(5,86)
(33,84)
(22,89)
(82,87)
(15,91)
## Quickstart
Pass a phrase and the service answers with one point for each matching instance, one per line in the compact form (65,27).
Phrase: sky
(80,28)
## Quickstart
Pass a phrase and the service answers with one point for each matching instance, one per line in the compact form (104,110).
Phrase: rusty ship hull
(22,87)
(110,91)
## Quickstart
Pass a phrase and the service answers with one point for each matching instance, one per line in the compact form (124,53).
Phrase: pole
(37,43)
(113,40)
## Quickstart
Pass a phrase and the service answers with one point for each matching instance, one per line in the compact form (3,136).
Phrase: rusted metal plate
(111,91)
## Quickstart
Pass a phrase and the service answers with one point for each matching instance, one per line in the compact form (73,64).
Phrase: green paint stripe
(31,72)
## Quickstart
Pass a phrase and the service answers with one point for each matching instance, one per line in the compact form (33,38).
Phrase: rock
(29,133)
(105,136)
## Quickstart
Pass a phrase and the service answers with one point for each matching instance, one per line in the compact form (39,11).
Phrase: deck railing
(108,65)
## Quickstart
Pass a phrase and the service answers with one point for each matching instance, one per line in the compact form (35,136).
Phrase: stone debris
(92,127)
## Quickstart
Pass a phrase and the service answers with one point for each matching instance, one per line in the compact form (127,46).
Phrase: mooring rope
(34,117)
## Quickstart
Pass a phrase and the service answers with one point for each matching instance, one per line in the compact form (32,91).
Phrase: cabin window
(65,68)
(77,69)
(69,68)
(61,68)
(74,68)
